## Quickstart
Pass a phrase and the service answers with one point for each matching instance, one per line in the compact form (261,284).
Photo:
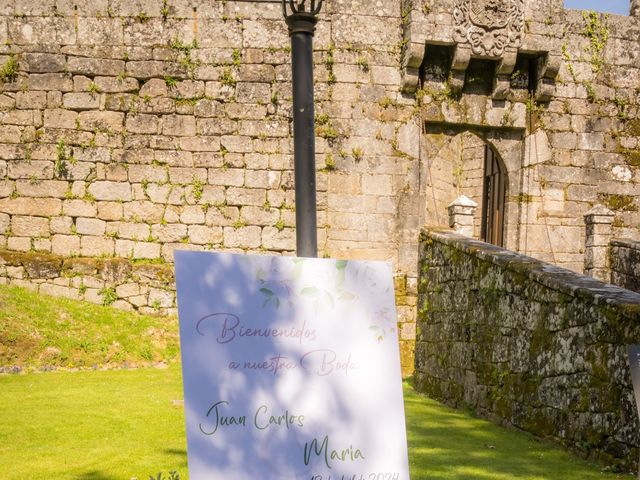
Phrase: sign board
(634,363)
(291,368)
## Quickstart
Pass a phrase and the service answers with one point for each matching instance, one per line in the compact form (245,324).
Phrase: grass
(91,425)
(129,424)
(447,444)
(40,332)
(108,425)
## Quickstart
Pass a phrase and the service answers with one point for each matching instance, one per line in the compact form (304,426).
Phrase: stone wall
(145,287)
(130,129)
(625,263)
(557,100)
(529,345)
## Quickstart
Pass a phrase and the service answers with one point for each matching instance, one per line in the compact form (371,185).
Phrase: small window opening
(479,77)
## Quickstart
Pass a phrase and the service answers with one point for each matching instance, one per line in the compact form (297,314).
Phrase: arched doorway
(465,162)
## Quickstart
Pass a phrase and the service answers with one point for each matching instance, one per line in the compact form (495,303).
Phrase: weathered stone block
(63,225)
(110,210)
(238,144)
(19,244)
(169,233)
(221,35)
(200,144)
(377,184)
(90,226)
(31,100)
(29,226)
(154,88)
(215,126)
(10,134)
(116,84)
(113,191)
(141,123)
(128,230)
(204,235)
(265,34)
(34,170)
(94,66)
(65,244)
(192,214)
(245,196)
(253,92)
(51,81)
(279,240)
(42,188)
(43,62)
(181,175)
(100,31)
(243,237)
(81,101)
(226,176)
(256,73)
(101,120)
(181,125)
(188,89)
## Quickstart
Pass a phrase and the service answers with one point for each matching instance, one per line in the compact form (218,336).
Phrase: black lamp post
(301,18)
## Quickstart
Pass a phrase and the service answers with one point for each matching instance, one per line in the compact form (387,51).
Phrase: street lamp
(301,18)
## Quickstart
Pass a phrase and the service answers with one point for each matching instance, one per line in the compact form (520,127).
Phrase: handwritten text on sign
(291,368)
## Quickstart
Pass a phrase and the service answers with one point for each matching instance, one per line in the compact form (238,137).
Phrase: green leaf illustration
(341,264)
(310,292)
(266,292)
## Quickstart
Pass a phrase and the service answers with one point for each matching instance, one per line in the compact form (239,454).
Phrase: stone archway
(453,165)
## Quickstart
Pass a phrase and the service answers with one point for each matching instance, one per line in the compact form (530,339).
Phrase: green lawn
(447,444)
(125,424)
(91,425)
(112,425)
(39,331)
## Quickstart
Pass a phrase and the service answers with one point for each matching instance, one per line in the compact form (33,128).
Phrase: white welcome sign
(291,368)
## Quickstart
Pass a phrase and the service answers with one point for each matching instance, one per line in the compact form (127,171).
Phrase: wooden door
(492,229)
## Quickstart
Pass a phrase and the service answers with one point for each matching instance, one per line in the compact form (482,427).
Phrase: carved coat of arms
(489,26)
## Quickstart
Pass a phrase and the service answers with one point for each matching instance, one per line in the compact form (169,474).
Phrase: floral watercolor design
(279,281)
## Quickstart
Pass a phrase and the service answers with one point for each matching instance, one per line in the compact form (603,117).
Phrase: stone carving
(489,26)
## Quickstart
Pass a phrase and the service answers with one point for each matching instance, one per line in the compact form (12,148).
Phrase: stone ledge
(557,278)
(625,242)
(112,270)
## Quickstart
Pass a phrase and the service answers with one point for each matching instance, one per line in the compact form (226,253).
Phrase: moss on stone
(632,157)
(633,127)
(541,339)
(618,202)
(81,266)
(36,265)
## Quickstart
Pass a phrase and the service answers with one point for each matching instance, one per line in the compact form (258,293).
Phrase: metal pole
(301,29)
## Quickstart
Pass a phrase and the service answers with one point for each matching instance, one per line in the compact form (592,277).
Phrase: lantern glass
(291,7)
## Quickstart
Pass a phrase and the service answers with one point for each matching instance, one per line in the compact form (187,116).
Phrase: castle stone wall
(528,345)
(624,255)
(130,129)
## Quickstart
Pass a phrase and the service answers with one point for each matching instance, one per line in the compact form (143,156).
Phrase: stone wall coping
(551,276)
(626,242)
(108,268)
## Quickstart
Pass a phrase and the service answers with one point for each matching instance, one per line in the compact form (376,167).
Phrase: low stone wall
(625,263)
(528,345)
(122,283)
(146,286)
